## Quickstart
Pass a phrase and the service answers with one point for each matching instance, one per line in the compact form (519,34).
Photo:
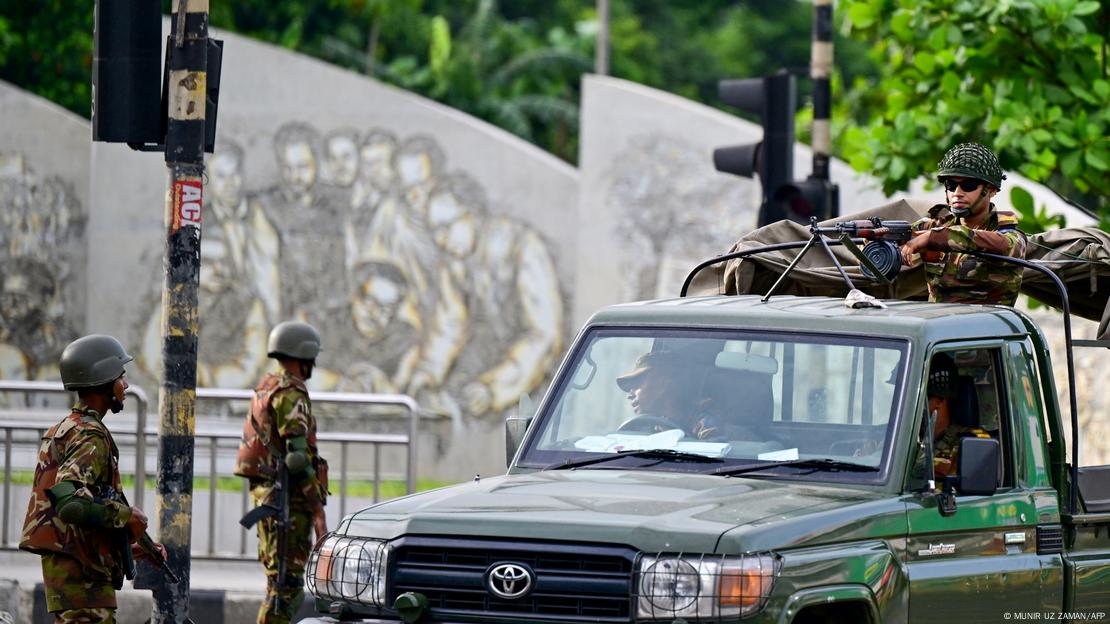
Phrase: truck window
(974,404)
(735,395)
(1027,407)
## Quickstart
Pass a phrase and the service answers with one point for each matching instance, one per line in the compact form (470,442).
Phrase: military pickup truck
(756,459)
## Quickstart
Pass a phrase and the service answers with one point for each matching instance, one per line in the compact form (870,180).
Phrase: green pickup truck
(744,458)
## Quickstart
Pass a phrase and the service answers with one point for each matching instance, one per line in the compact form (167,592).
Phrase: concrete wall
(44,184)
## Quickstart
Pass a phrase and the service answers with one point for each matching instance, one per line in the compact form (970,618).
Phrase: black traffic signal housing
(130,78)
(126,71)
(774,99)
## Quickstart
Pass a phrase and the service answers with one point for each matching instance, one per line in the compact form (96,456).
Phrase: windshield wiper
(664,454)
(830,465)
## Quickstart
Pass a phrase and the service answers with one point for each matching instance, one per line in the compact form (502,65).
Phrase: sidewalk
(220,592)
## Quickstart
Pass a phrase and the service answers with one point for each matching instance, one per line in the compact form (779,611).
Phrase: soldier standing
(967,223)
(280,435)
(77,519)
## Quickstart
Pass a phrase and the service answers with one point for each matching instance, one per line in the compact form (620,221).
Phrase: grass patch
(361,488)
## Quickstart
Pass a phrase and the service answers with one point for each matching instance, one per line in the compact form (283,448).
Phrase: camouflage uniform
(957,276)
(80,563)
(946,449)
(282,410)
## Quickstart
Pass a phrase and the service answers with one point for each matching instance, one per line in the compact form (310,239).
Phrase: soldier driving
(967,223)
(77,519)
(946,435)
(278,449)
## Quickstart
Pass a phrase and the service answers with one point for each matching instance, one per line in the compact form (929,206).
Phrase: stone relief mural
(42,221)
(674,211)
(416,284)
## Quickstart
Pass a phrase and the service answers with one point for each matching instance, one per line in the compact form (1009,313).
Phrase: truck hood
(652,511)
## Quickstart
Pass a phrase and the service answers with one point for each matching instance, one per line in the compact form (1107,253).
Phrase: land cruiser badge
(937,549)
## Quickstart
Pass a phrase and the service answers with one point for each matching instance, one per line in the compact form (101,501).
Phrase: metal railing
(212,440)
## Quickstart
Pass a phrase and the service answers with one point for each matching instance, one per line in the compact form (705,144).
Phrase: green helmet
(294,339)
(971,160)
(92,361)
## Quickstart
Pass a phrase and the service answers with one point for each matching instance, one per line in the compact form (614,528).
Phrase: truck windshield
(740,397)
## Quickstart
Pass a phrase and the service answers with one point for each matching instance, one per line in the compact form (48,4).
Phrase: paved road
(222,591)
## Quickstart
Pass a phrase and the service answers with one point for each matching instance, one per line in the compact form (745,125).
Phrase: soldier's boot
(98,615)
(289,601)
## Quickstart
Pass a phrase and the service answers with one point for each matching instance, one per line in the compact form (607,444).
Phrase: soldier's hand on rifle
(138,552)
(912,247)
(137,523)
(319,523)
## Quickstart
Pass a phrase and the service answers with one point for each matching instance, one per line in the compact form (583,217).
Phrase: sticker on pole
(186,204)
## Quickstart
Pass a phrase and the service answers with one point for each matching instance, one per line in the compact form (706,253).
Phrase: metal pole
(601,55)
(7,481)
(820,69)
(187,60)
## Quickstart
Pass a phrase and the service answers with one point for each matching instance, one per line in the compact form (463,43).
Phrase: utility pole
(820,69)
(186,90)
(179,121)
(601,55)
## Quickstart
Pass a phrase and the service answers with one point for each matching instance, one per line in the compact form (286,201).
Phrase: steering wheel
(647,423)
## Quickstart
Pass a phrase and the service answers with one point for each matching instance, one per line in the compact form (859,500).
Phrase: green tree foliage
(46,48)
(1027,77)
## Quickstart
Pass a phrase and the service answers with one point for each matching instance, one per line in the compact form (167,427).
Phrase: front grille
(572,581)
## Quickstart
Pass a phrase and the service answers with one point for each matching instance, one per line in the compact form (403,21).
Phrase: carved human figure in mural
(240,287)
(310,223)
(385,314)
(30,319)
(376,183)
(41,225)
(514,309)
(341,157)
(239,278)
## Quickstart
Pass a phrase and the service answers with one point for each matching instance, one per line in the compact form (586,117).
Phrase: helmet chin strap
(963,213)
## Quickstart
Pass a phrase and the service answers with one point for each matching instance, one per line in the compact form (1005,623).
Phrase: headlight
(704,586)
(349,568)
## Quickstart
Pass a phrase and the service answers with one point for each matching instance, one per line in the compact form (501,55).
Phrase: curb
(27,605)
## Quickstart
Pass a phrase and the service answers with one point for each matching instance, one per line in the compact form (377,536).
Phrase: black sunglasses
(967,185)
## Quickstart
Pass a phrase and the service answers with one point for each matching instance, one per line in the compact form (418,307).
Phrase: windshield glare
(741,397)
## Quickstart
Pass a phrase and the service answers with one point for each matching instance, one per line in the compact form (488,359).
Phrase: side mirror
(515,428)
(978,469)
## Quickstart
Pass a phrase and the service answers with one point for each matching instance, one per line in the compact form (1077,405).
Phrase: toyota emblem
(509,580)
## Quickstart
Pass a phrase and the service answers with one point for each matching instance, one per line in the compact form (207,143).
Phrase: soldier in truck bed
(968,223)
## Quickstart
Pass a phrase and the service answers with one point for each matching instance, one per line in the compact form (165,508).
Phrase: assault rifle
(879,259)
(872,229)
(146,544)
(277,507)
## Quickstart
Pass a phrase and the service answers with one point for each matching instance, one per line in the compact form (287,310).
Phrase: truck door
(982,562)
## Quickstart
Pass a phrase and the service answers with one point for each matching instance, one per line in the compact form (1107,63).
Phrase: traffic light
(126,72)
(774,99)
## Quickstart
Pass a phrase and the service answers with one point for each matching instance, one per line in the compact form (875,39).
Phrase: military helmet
(92,361)
(294,339)
(942,376)
(971,160)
